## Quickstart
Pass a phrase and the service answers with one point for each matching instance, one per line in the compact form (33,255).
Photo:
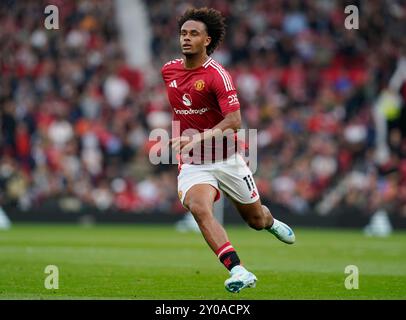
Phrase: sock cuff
(275,222)
(227,247)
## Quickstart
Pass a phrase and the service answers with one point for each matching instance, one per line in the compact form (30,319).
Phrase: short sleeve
(163,72)
(225,91)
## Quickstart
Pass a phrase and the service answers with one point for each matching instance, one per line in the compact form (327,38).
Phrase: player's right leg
(199,200)
(198,189)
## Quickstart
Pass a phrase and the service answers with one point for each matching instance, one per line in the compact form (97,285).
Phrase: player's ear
(208,41)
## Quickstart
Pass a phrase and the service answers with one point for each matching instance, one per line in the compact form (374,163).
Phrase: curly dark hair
(213,20)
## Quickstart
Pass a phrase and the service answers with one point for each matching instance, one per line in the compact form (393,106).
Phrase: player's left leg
(259,217)
(236,180)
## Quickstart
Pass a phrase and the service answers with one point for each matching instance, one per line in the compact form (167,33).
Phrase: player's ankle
(271,224)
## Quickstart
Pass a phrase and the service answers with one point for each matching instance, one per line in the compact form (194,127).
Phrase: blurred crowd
(75,118)
(73,113)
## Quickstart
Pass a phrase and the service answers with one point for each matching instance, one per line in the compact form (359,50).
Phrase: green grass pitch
(157,262)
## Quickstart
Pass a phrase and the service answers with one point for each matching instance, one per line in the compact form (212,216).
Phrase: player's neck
(195,61)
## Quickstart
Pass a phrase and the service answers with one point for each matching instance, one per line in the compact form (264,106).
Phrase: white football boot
(282,231)
(240,279)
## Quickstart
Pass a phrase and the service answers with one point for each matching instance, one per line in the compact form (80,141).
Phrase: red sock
(228,256)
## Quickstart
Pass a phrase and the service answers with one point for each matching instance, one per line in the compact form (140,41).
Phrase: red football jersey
(200,98)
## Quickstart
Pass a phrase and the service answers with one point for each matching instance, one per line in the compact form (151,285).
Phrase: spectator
(75,118)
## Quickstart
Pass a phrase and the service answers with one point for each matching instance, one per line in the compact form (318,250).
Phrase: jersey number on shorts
(250,182)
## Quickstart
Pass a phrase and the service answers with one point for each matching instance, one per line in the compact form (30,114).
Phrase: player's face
(194,38)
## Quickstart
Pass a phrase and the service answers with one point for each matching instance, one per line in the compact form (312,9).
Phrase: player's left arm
(231,122)
(230,107)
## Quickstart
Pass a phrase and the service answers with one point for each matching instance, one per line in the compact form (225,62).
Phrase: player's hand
(195,140)
(179,142)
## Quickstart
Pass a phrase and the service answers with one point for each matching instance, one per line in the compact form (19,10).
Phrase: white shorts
(233,176)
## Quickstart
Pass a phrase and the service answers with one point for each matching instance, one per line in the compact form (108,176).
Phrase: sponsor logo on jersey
(232,99)
(199,85)
(187,100)
(190,111)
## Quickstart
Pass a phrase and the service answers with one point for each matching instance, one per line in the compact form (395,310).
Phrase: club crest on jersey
(199,85)
(180,194)
(187,100)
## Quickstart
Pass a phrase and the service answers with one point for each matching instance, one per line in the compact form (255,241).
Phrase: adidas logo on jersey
(173,84)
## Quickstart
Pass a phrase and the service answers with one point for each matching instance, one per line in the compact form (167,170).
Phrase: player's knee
(257,222)
(199,210)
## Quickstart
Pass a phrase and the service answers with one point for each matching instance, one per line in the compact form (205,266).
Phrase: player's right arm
(177,143)
(166,69)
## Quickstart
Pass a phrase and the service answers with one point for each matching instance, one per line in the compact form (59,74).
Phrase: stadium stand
(75,117)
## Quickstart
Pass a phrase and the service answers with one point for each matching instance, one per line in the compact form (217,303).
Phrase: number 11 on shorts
(250,183)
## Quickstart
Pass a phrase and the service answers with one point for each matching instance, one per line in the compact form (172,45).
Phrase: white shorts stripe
(225,249)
